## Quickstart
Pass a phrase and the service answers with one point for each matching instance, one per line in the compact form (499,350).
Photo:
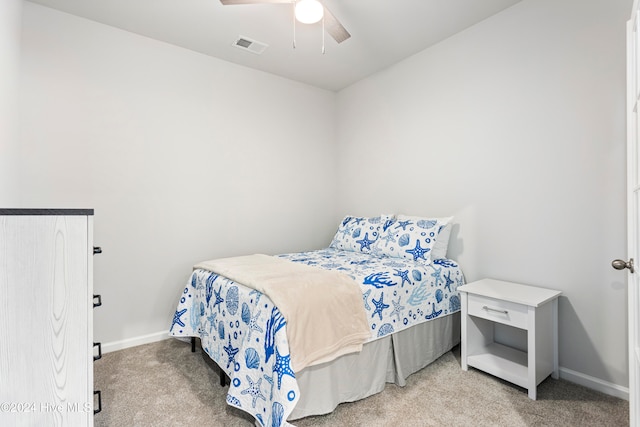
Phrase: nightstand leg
(532,353)
(463,331)
(554,310)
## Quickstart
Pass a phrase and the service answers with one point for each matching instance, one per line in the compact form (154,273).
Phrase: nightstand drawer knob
(487,308)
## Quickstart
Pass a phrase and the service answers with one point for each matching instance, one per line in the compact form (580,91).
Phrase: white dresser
(531,310)
(46,317)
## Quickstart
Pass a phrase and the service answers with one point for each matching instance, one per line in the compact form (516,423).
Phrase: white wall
(517,127)
(182,156)
(10,27)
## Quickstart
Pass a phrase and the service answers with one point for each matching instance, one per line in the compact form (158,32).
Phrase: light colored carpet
(164,384)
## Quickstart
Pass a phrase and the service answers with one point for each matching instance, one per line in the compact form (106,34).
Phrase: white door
(633,211)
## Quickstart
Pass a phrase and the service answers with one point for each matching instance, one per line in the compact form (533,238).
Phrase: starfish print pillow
(441,246)
(358,234)
(409,237)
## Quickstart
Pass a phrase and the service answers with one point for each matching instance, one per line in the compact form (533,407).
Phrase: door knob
(619,264)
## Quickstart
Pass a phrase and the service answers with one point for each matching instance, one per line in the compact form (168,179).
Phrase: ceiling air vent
(249,45)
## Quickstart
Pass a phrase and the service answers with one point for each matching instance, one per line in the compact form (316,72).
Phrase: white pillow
(442,241)
(358,234)
(415,238)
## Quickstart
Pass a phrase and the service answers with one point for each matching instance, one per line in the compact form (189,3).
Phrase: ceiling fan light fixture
(309,11)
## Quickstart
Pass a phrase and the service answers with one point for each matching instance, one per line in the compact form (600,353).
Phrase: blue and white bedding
(245,334)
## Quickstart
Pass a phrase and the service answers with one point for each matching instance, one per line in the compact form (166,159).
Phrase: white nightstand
(529,308)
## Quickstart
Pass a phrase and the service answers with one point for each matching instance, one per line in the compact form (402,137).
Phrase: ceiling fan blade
(228,2)
(334,27)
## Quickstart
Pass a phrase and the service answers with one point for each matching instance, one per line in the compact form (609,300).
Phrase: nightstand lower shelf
(504,362)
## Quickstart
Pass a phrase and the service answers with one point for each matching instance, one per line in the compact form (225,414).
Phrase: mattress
(245,333)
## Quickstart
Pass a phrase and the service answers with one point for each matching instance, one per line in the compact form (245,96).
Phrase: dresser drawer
(505,312)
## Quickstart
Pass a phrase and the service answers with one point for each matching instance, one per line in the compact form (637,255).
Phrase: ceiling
(383,32)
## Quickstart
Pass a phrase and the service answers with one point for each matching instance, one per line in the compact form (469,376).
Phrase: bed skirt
(390,359)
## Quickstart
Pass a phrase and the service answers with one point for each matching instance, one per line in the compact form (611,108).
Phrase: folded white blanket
(324,310)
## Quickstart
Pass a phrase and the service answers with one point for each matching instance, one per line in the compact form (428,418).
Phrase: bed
(408,291)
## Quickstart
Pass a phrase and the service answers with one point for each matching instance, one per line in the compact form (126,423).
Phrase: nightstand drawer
(505,312)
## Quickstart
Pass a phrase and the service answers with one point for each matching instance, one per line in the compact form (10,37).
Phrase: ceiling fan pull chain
(293,4)
(323,34)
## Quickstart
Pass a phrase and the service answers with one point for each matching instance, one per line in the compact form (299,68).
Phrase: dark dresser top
(20,211)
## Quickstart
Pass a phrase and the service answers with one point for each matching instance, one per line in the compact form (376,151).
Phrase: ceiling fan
(307,12)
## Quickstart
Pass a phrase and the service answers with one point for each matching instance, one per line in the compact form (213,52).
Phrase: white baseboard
(135,341)
(595,383)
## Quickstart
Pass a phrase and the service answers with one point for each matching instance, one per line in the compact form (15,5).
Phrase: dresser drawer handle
(99,355)
(97,392)
(487,308)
